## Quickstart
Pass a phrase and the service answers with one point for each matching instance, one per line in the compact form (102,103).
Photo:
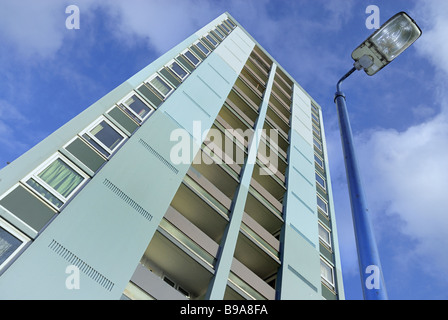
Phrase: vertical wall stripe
(218,283)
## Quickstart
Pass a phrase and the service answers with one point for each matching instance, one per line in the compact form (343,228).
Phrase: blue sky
(49,74)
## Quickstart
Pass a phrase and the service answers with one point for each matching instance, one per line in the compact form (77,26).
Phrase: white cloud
(405,172)
(33,27)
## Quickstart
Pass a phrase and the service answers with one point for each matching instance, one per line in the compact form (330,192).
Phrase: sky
(399,117)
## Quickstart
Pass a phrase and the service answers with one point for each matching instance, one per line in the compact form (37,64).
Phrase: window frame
(188,59)
(316,130)
(219,33)
(324,187)
(331,282)
(44,165)
(95,123)
(231,23)
(320,208)
(18,235)
(168,66)
(199,48)
(318,145)
(320,158)
(222,25)
(324,241)
(162,95)
(216,42)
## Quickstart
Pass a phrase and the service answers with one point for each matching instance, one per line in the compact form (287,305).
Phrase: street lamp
(377,51)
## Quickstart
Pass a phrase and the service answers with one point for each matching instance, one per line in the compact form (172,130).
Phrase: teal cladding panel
(300,270)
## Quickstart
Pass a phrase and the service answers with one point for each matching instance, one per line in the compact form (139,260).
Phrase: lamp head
(387,43)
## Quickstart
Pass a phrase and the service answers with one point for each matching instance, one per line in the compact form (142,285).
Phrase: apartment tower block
(203,176)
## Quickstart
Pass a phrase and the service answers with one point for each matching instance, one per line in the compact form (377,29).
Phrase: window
(191,58)
(322,205)
(212,40)
(161,86)
(202,48)
(326,272)
(315,109)
(224,27)
(324,236)
(219,33)
(103,136)
(321,181)
(136,108)
(230,22)
(11,242)
(317,144)
(319,161)
(56,180)
(178,70)
(314,117)
(176,286)
(316,131)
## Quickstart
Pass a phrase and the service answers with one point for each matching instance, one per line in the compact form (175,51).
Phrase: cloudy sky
(48,74)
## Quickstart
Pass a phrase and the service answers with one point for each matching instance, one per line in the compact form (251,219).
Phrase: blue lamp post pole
(369,261)
(377,51)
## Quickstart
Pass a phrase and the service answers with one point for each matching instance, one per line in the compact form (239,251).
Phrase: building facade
(203,176)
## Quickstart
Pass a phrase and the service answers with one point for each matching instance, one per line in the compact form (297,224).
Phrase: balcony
(174,253)
(194,201)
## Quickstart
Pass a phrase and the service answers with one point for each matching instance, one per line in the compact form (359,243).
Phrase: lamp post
(383,46)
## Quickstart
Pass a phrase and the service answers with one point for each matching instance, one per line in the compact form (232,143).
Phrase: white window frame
(34,175)
(92,125)
(188,59)
(168,66)
(324,187)
(327,281)
(17,234)
(316,130)
(320,166)
(226,28)
(324,241)
(196,44)
(318,144)
(219,33)
(213,38)
(132,93)
(231,23)
(164,96)
(325,211)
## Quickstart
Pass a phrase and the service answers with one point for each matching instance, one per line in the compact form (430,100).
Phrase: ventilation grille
(81,265)
(127,199)
(158,156)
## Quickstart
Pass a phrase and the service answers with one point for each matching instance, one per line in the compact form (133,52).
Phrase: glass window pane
(219,33)
(319,161)
(320,180)
(326,272)
(191,57)
(321,203)
(209,37)
(44,193)
(202,47)
(107,135)
(8,244)
(178,70)
(225,28)
(317,144)
(138,106)
(61,177)
(324,234)
(96,145)
(161,85)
